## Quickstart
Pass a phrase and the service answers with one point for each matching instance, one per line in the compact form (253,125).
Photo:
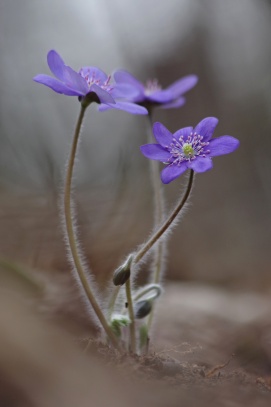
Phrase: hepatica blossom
(153,94)
(89,80)
(187,148)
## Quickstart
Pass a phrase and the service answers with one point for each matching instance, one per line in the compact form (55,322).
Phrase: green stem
(150,319)
(71,234)
(148,245)
(131,316)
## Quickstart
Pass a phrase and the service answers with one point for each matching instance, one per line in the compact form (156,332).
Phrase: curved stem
(146,290)
(142,292)
(71,234)
(147,246)
(131,316)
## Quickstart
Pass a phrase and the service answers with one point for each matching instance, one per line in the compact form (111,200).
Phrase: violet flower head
(187,148)
(152,93)
(90,84)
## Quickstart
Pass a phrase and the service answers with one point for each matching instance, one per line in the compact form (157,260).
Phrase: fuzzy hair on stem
(168,225)
(78,267)
(158,252)
(157,266)
(83,261)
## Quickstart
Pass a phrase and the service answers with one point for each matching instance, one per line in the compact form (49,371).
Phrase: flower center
(187,150)
(90,78)
(152,85)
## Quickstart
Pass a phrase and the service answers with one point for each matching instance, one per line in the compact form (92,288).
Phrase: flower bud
(142,308)
(122,274)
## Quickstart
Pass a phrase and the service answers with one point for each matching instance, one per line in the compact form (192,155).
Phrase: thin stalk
(71,234)
(131,316)
(142,293)
(113,301)
(159,205)
(148,245)
(146,290)
(150,319)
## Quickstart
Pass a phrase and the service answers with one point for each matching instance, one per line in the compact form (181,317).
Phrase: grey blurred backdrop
(225,235)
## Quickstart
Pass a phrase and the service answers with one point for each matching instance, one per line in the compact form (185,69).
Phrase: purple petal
(206,127)
(162,134)
(160,96)
(56,65)
(56,85)
(126,107)
(223,145)
(66,74)
(95,74)
(185,132)
(155,152)
(75,81)
(122,76)
(102,94)
(200,164)
(172,172)
(103,108)
(173,105)
(124,90)
(182,85)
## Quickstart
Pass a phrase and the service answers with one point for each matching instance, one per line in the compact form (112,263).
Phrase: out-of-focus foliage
(225,235)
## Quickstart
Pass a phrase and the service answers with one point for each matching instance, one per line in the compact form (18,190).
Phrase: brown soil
(169,382)
(209,347)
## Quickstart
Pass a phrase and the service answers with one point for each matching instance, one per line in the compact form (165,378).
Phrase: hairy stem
(112,301)
(148,245)
(131,316)
(146,290)
(72,242)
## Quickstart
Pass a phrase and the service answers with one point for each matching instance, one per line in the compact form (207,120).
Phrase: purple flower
(89,81)
(187,148)
(152,93)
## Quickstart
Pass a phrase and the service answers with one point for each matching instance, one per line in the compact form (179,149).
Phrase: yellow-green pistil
(188,150)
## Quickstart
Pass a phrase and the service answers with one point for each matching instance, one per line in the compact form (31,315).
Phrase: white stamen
(187,150)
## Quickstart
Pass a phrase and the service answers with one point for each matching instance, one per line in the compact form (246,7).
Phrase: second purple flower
(152,94)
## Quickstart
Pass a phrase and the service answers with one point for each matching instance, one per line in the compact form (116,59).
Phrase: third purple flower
(187,148)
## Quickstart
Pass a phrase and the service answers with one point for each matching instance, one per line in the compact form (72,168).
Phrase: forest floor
(208,347)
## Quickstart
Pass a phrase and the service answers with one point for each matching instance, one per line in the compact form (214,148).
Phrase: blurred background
(225,236)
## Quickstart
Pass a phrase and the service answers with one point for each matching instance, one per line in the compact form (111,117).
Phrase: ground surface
(209,347)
